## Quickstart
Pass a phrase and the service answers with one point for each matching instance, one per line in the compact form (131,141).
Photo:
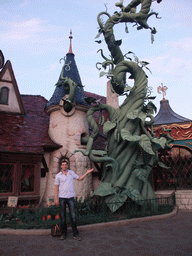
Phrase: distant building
(179,158)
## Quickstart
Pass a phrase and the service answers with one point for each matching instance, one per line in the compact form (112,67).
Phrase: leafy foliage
(141,174)
(126,135)
(114,202)
(104,189)
(108,126)
(145,143)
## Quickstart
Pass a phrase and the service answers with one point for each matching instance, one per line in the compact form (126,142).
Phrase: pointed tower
(69,70)
(67,127)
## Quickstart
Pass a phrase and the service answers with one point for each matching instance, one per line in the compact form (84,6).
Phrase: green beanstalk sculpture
(132,147)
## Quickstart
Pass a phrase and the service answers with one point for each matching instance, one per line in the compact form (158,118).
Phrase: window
(4,95)
(6,178)
(27,178)
(20,177)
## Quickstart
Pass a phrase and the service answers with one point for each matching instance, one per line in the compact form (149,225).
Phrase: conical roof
(167,116)
(69,70)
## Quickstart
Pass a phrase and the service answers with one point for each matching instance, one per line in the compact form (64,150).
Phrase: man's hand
(90,170)
(56,194)
(83,176)
(57,202)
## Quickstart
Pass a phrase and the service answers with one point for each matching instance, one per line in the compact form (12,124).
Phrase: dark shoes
(77,237)
(63,237)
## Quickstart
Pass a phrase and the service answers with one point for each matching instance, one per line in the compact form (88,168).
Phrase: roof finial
(70,46)
(162,89)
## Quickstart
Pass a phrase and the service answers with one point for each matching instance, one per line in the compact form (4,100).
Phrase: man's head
(64,164)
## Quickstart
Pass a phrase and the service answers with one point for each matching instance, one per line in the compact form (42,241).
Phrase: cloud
(177,10)
(19,31)
(5,1)
(184,45)
(24,3)
(174,66)
(32,36)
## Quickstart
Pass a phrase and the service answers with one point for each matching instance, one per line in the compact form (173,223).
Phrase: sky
(34,36)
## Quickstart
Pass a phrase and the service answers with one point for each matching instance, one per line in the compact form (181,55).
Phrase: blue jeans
(71,205)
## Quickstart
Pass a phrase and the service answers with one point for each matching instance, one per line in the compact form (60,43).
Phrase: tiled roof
(26,133)
(167,116)
(29,133)
(69,70)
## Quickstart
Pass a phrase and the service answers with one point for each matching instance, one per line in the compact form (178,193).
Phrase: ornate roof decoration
(69,70)
(162,89)
(178,131)
(70,46)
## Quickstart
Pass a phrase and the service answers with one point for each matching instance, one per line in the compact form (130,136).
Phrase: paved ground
(170,236)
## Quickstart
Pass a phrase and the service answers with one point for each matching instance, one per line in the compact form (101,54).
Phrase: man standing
(64,183)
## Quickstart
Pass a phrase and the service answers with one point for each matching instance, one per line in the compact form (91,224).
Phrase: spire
(162,89)
(69,70)
(70,46)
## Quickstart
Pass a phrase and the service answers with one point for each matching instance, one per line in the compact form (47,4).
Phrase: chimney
(112,98)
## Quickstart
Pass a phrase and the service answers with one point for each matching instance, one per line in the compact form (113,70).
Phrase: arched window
(4,95)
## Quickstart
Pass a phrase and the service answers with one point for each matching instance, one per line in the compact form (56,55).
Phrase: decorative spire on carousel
(162,90)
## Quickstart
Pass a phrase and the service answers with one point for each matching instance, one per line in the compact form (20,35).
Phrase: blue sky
(35,36)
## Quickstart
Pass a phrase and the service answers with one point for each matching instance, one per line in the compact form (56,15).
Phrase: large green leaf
(115,201)
(162,165)
(142,116)
(133,115)
(102,73)
(145,143)
(160,141)
(137,114)
(135,195)
(108,126)
(141,174)
(126,135)
(104,189)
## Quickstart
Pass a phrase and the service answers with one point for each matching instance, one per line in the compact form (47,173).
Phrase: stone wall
(183,198)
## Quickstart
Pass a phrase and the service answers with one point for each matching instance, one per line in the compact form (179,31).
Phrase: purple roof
(167,116)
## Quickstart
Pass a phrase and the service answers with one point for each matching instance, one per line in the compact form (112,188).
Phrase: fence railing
(87,212)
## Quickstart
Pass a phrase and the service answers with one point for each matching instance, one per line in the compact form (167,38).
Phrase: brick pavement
(169,235)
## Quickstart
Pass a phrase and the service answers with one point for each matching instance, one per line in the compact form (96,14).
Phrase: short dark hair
(63,161)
